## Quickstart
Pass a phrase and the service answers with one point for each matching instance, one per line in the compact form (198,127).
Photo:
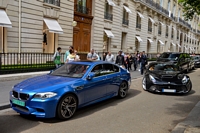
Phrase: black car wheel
(67,107)
(123,89)
(189,88)
(144,84)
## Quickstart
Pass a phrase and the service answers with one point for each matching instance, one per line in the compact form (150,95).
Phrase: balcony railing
(138,25)
(125,21)
(54,2)
(149,29)
(108,16)
(155,5)
(82,9)
(159,32)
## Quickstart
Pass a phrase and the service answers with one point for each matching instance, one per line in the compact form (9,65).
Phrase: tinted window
(116,68)
(108,69)
(97,70)
(162,67)
(172,56)
(71,70)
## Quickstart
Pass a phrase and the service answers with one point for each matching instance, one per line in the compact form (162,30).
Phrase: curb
(191,122)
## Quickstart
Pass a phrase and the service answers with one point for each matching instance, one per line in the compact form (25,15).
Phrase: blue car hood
(43,82)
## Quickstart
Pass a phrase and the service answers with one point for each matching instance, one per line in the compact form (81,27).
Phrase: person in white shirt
(110,57)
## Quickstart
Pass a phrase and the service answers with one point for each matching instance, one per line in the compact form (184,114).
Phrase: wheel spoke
(72,105)
(64,112)
(70,112)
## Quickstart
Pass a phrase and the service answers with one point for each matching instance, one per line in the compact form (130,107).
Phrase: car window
(71,70)
(97,70)
(162,67)
(171,56)
(116,68)
(107,69)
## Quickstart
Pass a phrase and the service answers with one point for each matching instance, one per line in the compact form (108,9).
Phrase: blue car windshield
(163,67)
(71,70)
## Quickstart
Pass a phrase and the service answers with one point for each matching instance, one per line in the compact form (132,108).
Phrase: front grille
(21,96)
(24,109)
(15,94)
(167,76)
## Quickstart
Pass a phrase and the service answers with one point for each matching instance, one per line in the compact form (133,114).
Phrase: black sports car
(196,60)
(166,77)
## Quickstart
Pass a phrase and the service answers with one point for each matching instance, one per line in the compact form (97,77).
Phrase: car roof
(89,62)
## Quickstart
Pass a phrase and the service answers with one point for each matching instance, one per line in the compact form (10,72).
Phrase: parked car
(196,59)
(165,77)
(72,86)
(182,60)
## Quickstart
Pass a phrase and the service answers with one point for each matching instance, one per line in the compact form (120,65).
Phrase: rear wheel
(67,107)
(189,88)
(123,90)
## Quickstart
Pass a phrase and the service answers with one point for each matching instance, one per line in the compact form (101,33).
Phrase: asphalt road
(139,112)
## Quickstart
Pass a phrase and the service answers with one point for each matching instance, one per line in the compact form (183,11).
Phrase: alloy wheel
(123,90)
(144,84)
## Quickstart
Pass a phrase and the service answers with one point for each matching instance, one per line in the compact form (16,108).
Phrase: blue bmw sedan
(74,85)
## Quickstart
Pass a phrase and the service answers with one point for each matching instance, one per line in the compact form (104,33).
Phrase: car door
(96,87)
(113,78)
(183,63)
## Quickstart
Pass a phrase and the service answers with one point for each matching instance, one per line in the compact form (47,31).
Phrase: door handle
(79,87)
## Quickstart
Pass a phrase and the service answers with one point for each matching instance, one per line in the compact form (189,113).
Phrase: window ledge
(138,29)
(124,25)
(166,36)
(159,34)
(51,5)
(107,20)
(150,32)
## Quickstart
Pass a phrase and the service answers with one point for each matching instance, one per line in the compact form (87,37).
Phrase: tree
(190,8)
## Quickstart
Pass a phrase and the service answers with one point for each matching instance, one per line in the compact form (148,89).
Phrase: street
(139,112)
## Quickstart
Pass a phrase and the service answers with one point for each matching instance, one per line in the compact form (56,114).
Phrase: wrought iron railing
(54,2)
(159,32)
(138,25)
(125,21)
(82,9)
(108,16)
(172,36)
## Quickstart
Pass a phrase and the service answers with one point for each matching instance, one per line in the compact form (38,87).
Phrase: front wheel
(67,107)
(189,88)
(144,84)
(123,89)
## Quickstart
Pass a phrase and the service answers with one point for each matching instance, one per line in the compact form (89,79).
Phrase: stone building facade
(40,26)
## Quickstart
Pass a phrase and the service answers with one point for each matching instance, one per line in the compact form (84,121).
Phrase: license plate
(168,90)
(18,102)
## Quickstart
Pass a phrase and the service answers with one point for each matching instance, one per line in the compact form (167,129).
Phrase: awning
(161,23)
(161,42)
(173,44)
(139,39)
(185,47)
(179,45)
(174,28)
(53,25)
(111,3)
(150,41)
(151,20)
(4,20)
(127,9)
(141,16)
(109,33)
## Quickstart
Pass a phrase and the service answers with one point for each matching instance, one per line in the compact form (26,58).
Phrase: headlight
(45,95)
(152,78)
(197,62)
(184,80)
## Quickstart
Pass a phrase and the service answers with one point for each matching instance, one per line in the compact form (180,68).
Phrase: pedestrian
(92,55)
(104,56)
(143,60)
(77,57)
(56,57)
(130,57)
(135,61)
(71,57)
(120,59)
(110,57)
(67,53)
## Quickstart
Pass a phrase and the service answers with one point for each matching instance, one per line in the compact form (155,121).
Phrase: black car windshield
(171,56)
(71,70)
(163,67)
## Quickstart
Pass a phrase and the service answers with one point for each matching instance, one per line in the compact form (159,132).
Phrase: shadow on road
(85,111)
(184,105)
(13,123)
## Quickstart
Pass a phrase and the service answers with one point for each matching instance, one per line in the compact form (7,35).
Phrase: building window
(123,42)
(2,42)
(159,29)
(108,11)
(138,22)
(54,2)
(125,20)
(150,25)
(185,38)
(172,33)
(177,34)
(174,10)
(168,5)
(166,34)
(81,6)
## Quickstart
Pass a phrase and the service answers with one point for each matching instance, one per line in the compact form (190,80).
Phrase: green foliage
(190,7)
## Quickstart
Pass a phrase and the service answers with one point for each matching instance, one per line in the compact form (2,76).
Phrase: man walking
(110,57)
(143,60)
(120,59)
(67,53)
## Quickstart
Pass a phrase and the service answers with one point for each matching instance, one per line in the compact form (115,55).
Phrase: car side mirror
(90,76)
(51,71)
